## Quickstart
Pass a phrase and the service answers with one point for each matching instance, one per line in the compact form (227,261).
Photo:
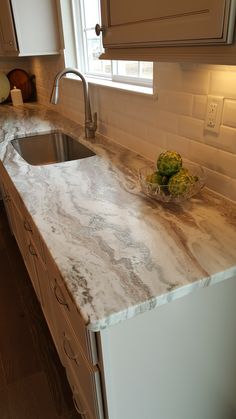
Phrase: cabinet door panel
(63,303)
(78,400)
(37,26)
(7,28)
(159,23)
(153,10)
(9,208)
(28,251)
(86,375)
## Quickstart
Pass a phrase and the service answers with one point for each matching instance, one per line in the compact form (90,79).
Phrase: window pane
(127,68)
(93,51)
(146,70)
(130,70)
(91,12)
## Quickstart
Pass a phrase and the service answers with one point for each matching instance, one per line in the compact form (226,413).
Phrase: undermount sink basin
(49,148)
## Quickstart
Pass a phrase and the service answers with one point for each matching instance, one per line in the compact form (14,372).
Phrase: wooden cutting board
(21,80)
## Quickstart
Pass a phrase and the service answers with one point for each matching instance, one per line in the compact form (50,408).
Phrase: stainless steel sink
(49,148)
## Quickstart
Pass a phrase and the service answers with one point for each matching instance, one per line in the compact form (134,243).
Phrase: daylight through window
(86,15)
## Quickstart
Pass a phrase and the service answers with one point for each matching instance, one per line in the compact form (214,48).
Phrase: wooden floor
(32,381)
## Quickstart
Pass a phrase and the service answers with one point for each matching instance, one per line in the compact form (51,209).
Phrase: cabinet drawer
(87,381)
(65,304)
(28,223)
(11,188)
(33,235)
(80,404)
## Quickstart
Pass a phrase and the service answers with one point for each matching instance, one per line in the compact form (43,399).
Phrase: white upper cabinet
(198,30)
(154,22)
(29,27)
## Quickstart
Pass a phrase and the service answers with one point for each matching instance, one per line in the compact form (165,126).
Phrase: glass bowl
(162,193)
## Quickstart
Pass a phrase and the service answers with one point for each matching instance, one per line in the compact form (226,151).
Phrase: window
(88,47)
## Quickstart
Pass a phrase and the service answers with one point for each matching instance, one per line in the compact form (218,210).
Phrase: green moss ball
(180,183)
(169,163)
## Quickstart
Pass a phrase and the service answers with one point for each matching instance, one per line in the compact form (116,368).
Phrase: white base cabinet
(176,361)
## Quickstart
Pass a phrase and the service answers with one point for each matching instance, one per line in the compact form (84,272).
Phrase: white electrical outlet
(214,113)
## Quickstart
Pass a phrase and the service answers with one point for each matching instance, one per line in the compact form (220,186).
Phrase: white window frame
(130,80)
(80,60)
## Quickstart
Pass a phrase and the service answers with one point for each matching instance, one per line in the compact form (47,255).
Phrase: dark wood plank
(14,330)
(30,398)
(4,398)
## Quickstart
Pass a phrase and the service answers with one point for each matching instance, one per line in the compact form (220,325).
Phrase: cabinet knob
(11,43)
(59,299)
(27,226)
(79,410)
(68,350)
(98,29)
(31,250)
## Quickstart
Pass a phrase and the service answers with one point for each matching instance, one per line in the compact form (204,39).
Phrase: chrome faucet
(90,122)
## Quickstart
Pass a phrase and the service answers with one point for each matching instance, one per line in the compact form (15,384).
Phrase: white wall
(174,120)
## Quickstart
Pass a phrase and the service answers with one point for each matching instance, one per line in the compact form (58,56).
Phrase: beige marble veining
(119,253)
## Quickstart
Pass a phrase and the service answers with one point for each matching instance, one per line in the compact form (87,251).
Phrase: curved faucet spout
(90,122)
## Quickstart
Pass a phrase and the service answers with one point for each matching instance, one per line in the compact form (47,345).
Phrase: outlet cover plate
(214,113)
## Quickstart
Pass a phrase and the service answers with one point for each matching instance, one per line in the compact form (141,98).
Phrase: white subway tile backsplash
(215,159)
(223,83)
(184,77)
(199,106)
(133,126)
(169,76)
(229,113)
(177,102)
(195,80)
(166,121)
(203,155)
(177,143)
(132,142)
(191,128)
(225,163)
(226,140)
(156,137)
(224,185)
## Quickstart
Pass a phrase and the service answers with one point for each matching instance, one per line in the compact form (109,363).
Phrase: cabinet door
(28,250)
(9,208)
(86,385)
(48,303)
(7,29)
(37,26)
(63,303)
(153,22)
(70,343)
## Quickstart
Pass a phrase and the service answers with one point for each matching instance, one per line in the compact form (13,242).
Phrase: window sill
(130,88)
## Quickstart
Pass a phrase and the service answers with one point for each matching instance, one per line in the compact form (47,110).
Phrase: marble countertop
(120,253)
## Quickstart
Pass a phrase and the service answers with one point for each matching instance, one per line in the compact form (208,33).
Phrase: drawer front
(28,223)
(33,235)
(12,189)
(86,376)
(64,303)
(79,402)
